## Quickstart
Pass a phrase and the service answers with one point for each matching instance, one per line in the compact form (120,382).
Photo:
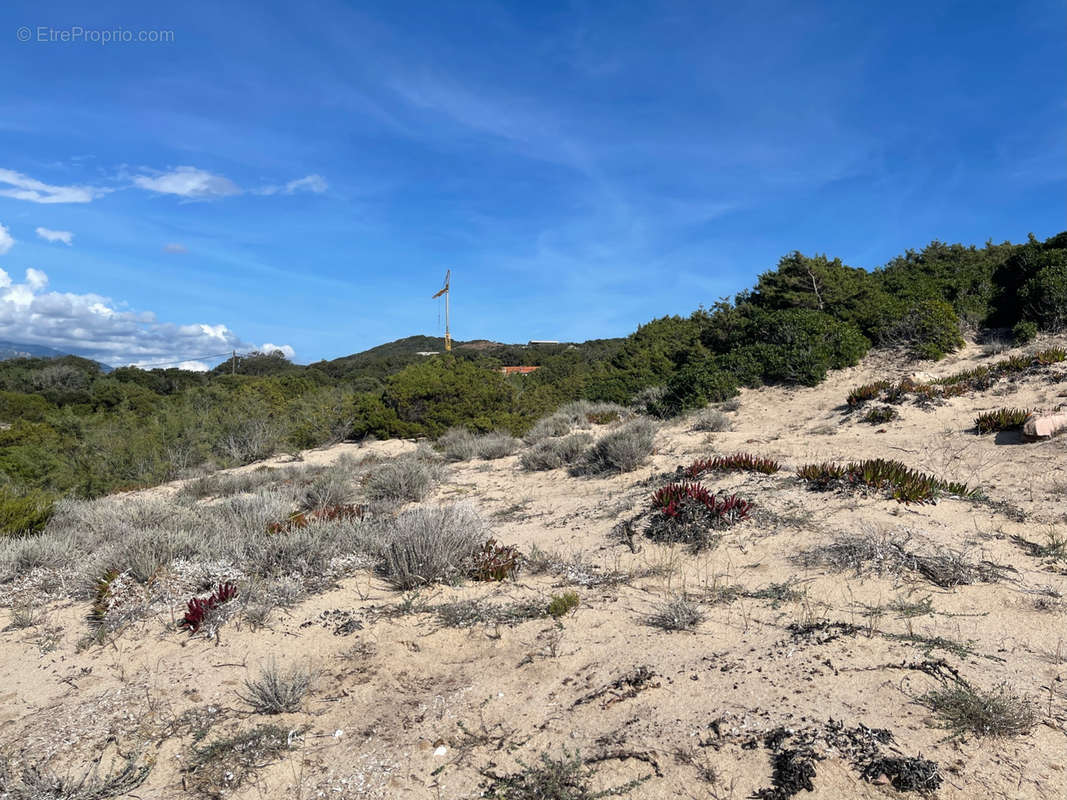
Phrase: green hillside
(71,428)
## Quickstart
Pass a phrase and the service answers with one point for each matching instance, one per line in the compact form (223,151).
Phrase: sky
(180,180)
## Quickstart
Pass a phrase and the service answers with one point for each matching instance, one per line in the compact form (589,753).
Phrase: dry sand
(403,707)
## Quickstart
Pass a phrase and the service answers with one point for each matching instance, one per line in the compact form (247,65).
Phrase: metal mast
(445,291)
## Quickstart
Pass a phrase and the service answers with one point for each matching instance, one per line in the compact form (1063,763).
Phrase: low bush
(902,483)
(680,613)
(495,562)
(496,445)
(554,453)
(330,489)
(739,462)
(1024,332)
(622,450)
(711,420)
(689,513)
(963,709)
(458,444)
(929,330)
(868,391)
(1001,419)
(405,479)
(425,545)
(561,604)
(880,415)
(24,512)
(276,691)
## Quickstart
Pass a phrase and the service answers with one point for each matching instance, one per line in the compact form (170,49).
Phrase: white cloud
(174,247)
(22,187)
(188,182)
(50,235)
(7,241)
(98,328)
(309,183)
(286,350)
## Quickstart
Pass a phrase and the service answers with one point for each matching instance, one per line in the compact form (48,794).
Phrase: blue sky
(304,174)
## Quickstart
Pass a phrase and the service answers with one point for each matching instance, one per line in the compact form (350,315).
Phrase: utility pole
(233,364)
(446,291)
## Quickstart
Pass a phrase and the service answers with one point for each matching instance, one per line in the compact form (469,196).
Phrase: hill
(9,350)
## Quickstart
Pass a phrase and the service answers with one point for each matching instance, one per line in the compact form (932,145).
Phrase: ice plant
(200,608)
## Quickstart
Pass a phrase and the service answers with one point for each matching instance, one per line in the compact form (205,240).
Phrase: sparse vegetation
(689,513)
(680,613)
(899,481)
(622,450)
(880,415)
(427,545)
(276,691)
(406,479)
(495,562)
(711,420)
(554,453)
(1002,419)
(222,766)
(739,462)
(963,709)
(565,778)
(37,782)
(562,604)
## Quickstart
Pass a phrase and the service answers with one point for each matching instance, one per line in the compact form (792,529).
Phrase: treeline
(69,428)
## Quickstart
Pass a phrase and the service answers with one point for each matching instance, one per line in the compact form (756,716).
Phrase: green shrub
(1024,332)
(24,512)
(561,604)
(1044,297)
(929,330)
(694,386)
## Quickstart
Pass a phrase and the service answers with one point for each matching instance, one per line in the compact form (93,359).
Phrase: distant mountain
(24,350)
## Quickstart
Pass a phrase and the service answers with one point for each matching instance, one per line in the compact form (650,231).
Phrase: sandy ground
(404,707)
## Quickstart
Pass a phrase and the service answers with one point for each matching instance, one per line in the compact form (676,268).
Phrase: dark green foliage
(928,330)
(23,513)
(739,462)
(1002,419)
(880,415)
(1024,332)
(694,386)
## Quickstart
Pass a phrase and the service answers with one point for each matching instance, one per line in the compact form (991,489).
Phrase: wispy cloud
(23,187)
(99,328)
(7,241)
(49,235)
(309,183)
(174,248)
(188,182)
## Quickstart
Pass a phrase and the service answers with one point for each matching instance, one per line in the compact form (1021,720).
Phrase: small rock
(440,751)
(1037,428)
